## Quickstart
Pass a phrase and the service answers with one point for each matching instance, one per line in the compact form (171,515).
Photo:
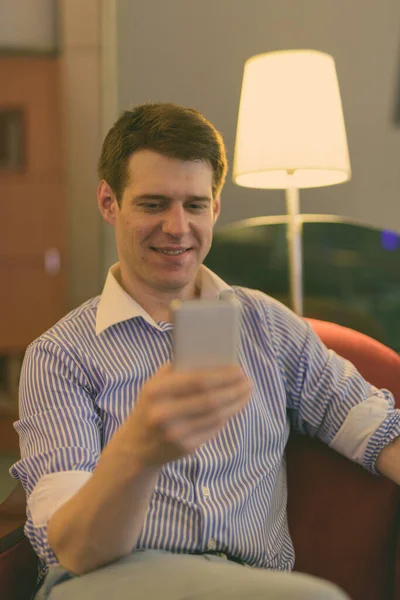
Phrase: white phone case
(206,333)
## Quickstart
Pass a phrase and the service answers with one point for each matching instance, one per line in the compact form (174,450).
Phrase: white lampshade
(290,120)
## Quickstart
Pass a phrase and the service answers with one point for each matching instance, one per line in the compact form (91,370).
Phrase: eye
(150,206)
(197,206)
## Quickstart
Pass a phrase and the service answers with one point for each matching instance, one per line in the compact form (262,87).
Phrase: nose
(176,222)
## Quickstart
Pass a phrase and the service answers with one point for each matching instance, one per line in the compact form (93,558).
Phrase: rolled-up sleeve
(60,435)
(326,395)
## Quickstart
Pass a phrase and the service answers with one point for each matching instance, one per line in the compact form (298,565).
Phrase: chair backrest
(344,521)
(376,362)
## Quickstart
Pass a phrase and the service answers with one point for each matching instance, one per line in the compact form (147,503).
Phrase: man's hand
(388,461)
(178,412)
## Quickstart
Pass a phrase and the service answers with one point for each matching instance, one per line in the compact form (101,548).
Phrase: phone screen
(206,333)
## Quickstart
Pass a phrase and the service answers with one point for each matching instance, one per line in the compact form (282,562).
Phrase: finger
(193,435)
(178,428)
(194,381)
(195,406)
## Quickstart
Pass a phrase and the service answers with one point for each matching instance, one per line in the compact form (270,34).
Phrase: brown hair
(171,130)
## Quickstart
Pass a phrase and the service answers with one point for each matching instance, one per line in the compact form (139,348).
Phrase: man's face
(164,223)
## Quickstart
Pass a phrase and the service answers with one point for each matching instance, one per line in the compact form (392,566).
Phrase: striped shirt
(80,381)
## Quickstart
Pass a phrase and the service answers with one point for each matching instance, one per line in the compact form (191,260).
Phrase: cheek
(208,228)
(131,231)
(204,234)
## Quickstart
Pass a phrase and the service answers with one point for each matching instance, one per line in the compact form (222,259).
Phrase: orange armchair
(344,522)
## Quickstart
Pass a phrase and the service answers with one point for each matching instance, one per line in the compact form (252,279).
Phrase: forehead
(148,169)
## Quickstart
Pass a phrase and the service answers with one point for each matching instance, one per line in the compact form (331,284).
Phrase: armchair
(344,522)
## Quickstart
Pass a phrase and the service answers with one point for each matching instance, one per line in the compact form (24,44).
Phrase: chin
(174,284)
(175,279)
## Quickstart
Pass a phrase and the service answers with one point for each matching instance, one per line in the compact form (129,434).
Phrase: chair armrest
(18,567)
(15,503)
(397,565)
(18,561)
(12,512)
(11,533)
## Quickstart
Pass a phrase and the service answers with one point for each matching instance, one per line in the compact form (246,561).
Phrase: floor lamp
(291,135)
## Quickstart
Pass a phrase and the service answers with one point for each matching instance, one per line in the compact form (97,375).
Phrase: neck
(156,302)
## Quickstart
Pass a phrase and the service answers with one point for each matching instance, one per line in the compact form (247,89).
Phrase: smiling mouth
(170,251)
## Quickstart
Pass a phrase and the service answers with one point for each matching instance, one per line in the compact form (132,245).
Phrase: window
(10,368)
(11,139)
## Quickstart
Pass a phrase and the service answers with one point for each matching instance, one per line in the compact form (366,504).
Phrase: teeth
(170,252)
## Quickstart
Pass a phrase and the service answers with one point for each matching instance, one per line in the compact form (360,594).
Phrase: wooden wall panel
(32,205)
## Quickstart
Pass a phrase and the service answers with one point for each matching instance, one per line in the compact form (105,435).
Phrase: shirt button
(212,544)
(206,492)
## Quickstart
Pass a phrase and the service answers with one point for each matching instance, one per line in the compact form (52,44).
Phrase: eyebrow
(169,198)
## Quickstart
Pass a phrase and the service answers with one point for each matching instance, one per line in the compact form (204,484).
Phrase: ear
(216,207)
(107,202)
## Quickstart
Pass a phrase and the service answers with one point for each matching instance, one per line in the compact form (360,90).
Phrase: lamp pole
(294,234)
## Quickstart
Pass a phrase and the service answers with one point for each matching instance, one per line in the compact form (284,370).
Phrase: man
(137,476)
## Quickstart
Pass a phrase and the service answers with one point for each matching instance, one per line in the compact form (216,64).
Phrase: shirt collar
(116,305)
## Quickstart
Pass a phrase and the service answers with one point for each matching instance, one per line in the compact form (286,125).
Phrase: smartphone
(206,333)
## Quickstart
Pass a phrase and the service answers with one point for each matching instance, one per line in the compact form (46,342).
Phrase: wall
(32,296)
(193,53)
(80,64)
(28,25)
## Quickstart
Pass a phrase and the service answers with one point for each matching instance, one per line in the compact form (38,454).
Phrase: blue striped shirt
(81,378)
